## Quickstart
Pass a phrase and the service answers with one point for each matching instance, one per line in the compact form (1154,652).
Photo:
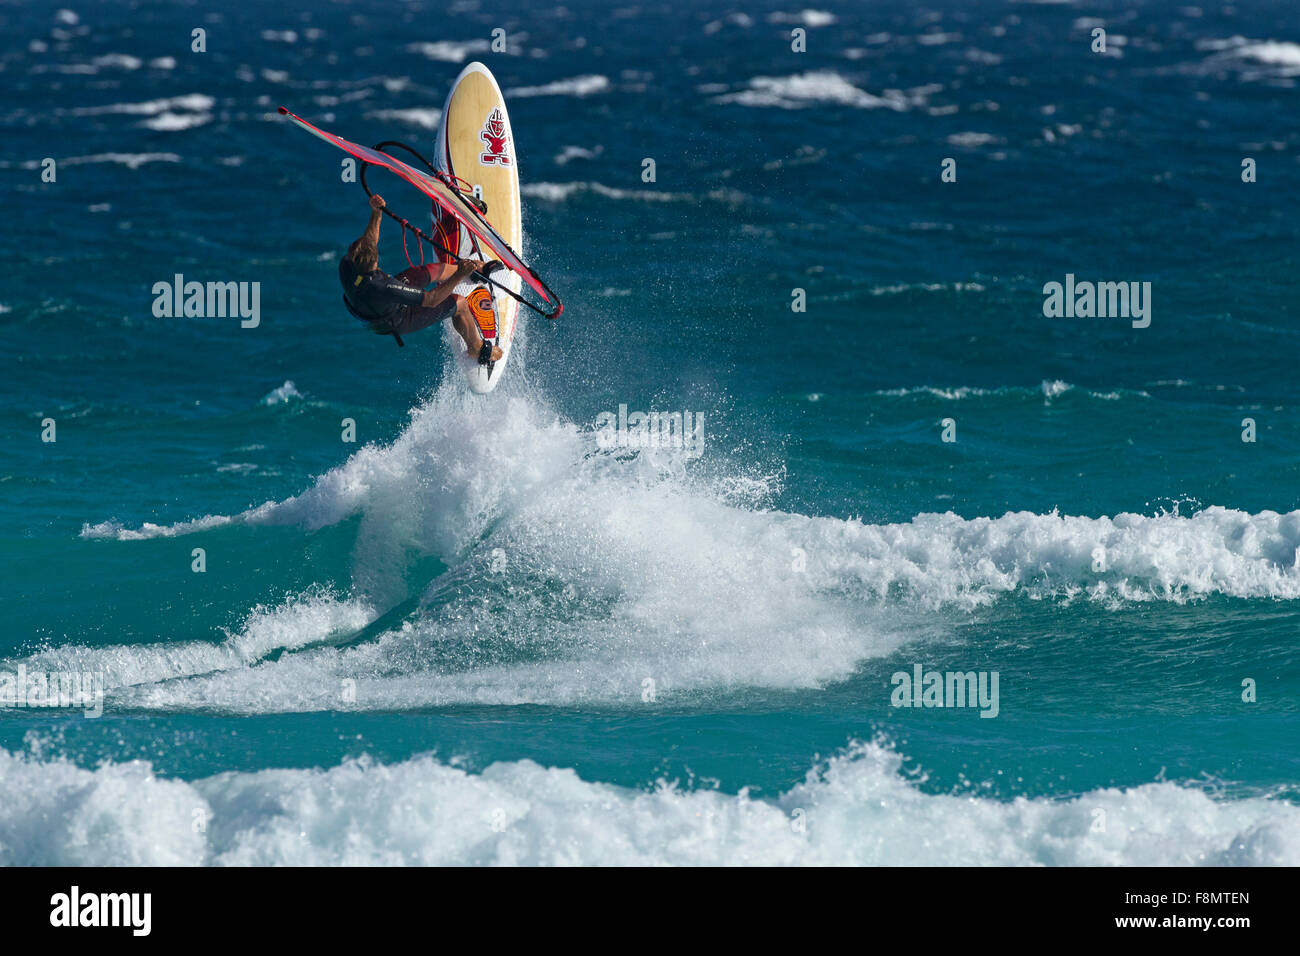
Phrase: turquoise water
(478,634)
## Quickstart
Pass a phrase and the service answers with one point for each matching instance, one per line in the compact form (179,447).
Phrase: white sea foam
(119,61)
(168,122)
(938,38)
(298,621)
(927,287)
(1252,59)
(165,115)
(587,85)
(570,153)
(130,160)
(284,393)
(1048,389)
(972,140)
(857,809)
(193,102)
(803,90)
(560,192)
(807,18)
(450,51)
(115,529)
(742,20)
(425,118)
(952,394)
(615,567)
(1055,388)
(571,523)
(1224,44)
(1273,52)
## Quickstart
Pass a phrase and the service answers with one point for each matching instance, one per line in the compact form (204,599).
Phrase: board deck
(476,144)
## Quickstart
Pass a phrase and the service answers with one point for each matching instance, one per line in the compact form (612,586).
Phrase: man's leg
(463,322)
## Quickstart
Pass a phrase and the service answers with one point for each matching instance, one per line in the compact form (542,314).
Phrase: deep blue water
(478,635)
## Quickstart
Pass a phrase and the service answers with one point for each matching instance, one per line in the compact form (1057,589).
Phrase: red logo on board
(494,136)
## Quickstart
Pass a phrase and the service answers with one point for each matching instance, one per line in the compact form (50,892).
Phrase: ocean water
(481,633)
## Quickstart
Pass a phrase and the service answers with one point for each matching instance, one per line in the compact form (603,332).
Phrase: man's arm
(376,217)
(444,288)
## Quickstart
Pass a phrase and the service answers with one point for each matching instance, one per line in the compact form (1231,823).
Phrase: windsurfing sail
(445,194)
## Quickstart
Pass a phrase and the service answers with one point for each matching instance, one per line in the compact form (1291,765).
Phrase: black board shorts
(412,318)
(390,305)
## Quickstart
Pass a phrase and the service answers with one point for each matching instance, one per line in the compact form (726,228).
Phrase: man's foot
(477,352)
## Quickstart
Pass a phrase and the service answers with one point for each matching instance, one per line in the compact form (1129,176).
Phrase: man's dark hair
(364,255)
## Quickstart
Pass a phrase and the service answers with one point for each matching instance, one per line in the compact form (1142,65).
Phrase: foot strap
(485,353)
(489,268)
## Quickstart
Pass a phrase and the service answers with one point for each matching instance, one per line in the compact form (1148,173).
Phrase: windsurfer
(396,305)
